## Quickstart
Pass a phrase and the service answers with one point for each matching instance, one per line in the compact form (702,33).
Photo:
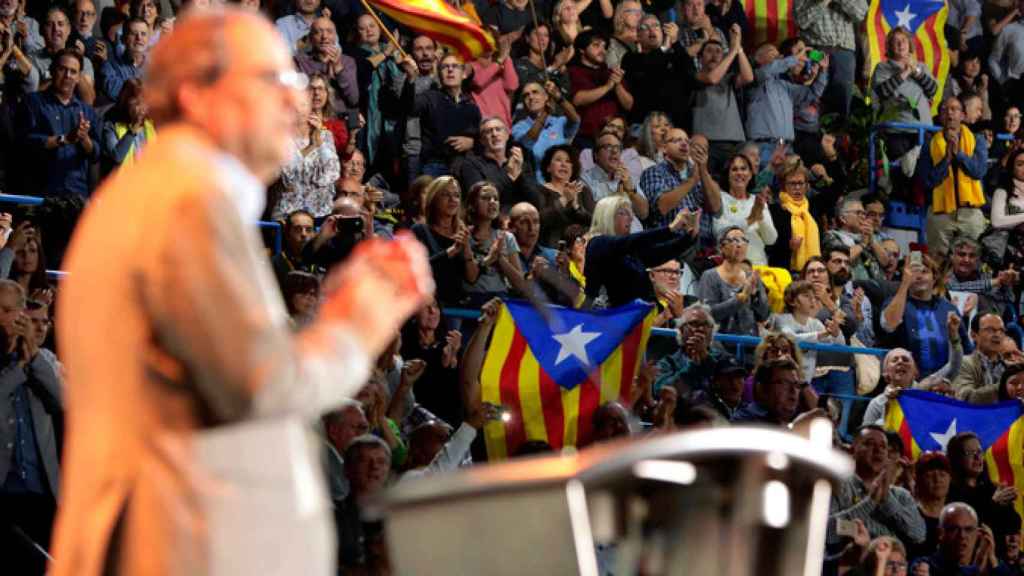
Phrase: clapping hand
(461,241)
(412,370)
(953,325)
(453,341)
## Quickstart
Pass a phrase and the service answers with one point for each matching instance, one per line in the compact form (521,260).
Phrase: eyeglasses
(291,79)
(966,530)
(737,240)
(972,453)
(696,325)
(668,271)
(797,184)
(450,66)
(875,214)
(896,565)
(817,270)
(610,147)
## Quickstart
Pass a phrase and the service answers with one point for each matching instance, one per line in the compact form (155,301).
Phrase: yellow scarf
(803,225)
(580,279)
(121,129)
(944,195)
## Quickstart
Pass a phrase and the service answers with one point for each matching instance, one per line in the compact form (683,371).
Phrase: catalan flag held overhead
(926,20)
(927,421)
(770,20)
(551,380)
(440,21)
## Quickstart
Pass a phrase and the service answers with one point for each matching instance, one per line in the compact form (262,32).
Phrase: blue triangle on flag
(578,341)
(933,418)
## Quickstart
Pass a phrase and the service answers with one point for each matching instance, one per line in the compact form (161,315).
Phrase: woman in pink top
(494,80)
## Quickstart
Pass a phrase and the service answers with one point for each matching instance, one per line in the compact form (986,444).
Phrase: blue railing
(903,215)
(739,341)
(36,201)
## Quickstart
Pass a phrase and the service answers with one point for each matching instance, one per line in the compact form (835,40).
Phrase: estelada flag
(770,21)
(552,373)
(442,22)
(927,421)
(926,20)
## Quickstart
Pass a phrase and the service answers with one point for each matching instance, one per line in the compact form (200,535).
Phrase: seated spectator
(126,64)
(294,27)
(492,81)
(658,72)
(799,238)
(56,31)
(341,427)
(540,64)
(308,179)
(779,91)
(609,176)
(128,127)
(952,166)
(324,57)
(682,181)
(903,84)
(915,316)
(499,163)
(870,495)
(566,200)
(617,261)
(970,481)
(598,91)
(741,208)
(438,390)
(725,394)
(1011,383)
(550,269)
(736,296)
(777,386)
(61,131)
(301,292)
(981,371)
(449,119)
(932,489)
(899,372)
(542,128)
(800,322)
(368,469)
(856,232)
(716,112)
(691,368)
(298,229)
(959,550)
(494,250)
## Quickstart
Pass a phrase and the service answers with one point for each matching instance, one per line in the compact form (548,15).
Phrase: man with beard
(120,68)
(871,496)
(597,90)
(56,30)
(500,164)
(424,77)
(61,132)
(324,57)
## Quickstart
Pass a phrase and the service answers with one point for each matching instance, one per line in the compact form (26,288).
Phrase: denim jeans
(842,72)
(838,382)
(436,169)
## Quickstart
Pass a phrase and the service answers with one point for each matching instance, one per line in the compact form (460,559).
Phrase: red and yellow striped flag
(551,380)
(926,421)
(926,20)
(770,20)
(442,22)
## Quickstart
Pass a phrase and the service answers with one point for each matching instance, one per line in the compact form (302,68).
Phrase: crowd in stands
(605,151)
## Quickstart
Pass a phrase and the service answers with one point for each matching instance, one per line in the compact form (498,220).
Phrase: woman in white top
(1008,200)
(745,210)
(307,181)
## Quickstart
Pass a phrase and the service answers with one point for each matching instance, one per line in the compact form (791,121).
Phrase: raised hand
(412,370)
(453,341)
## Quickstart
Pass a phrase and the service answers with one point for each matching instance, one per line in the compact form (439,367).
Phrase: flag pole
(390,36)
(543,59)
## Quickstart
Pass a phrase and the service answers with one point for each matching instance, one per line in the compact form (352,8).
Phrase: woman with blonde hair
(616,261)
(798,236)
(447,239)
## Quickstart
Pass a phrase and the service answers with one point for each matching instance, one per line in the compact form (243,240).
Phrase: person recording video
(348,224)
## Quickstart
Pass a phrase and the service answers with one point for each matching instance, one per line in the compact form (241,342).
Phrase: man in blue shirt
(294,27)
(29,399)
(122,67)
(61,132)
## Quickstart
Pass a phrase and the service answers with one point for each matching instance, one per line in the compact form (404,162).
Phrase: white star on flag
(574,343)
(905,17)
(945,437)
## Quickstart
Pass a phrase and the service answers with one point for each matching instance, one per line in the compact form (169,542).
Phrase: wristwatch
(62,139)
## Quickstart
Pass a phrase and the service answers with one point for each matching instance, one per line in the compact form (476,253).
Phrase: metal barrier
(921,129)
(36,201)
(740,341)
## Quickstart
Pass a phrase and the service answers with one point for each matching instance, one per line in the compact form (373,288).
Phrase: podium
(725,502)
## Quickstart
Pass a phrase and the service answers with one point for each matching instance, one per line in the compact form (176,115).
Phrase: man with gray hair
(964,546)
(500,164)
(691,368)
(984,290)
(868,257)
(218,386)
(899,372)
